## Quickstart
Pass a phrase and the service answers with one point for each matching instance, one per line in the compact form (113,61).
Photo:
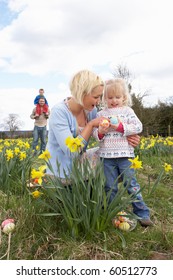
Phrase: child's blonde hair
(118,85)
(83,83)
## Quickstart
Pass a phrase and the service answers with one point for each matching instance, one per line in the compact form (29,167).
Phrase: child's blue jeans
(113,167)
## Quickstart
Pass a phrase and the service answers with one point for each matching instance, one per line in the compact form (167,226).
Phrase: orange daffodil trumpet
(136,163)
(37,175)
(74,144)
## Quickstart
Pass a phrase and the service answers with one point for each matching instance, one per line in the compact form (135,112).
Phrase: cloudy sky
(43,43)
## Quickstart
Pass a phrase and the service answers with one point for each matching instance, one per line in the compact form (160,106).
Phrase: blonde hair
(83,83)
(118,85)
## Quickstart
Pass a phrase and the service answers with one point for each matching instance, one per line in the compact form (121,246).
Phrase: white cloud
(48,39)
(52,35)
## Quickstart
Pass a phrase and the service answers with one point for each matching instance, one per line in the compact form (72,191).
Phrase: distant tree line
(156,120)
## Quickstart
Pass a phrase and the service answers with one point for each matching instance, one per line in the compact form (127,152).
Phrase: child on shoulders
(38,108)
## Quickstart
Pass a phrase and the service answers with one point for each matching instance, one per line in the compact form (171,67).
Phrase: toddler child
(114,148)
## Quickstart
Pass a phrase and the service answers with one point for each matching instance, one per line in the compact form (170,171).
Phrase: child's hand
(134,140)
(104,126)
(115,125)
(103,130)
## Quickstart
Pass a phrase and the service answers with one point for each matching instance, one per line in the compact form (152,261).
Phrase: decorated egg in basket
(123,222)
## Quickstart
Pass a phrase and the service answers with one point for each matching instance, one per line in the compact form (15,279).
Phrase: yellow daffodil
(74,144)
(38,173)
(9,154)
(6,143)
(170,143)
(27,145)
(136,163)
(68,141)
(36,194)
(142,146)
(45,155)
(22,155)
(16,151)
(20,143)
(167,167)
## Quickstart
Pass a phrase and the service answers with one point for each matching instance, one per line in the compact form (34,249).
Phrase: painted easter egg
(114,120)
(104,123)
(124,226)
(8,226)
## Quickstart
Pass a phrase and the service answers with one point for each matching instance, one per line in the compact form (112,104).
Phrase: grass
(47,238)
(37,238)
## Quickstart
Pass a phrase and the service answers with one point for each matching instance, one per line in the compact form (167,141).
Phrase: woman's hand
(133,140)
(96,122)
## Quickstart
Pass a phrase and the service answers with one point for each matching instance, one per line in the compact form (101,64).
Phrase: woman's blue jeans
(39,133)
(113,167)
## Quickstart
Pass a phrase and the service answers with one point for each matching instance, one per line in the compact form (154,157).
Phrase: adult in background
(75,116)
(40,126)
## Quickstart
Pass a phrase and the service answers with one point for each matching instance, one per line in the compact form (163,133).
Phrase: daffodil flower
(136,163)
(74,144)
(167,167)
(6,144)
(36,194)
(38,173)
(27,145)
(45,155)
(9,154)
(16,150)
(22,155)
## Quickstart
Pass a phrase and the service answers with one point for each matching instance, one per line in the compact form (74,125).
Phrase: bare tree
(12,123)
(121,71)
